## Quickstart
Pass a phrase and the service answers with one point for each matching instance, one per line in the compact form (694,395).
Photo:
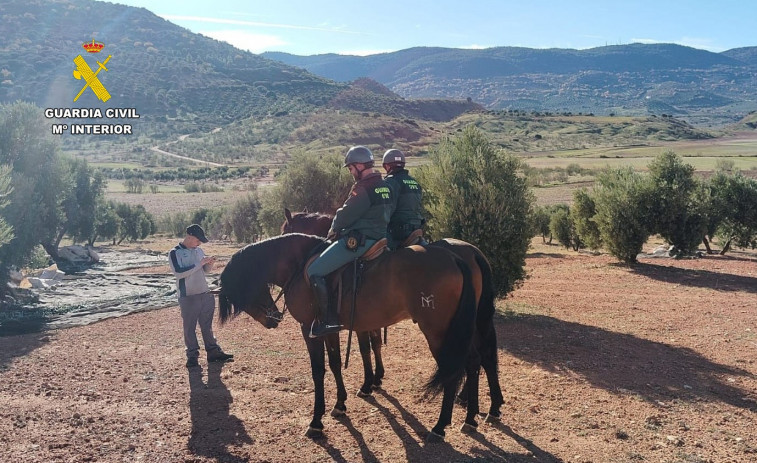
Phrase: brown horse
(441,300)
(486,336)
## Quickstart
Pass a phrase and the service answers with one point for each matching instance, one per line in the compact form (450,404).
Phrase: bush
(473,192)
(674,214)
(622,201)
(561,226)
(582,213)
(540,223)
(312,182)
(243,219)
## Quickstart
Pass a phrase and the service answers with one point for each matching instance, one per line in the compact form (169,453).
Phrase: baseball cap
(197,231)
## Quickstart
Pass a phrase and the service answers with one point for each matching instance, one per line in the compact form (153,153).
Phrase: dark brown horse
(441,300)
(486,337)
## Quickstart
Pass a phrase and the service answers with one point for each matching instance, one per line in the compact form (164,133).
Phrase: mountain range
(633,79)
(165,71)
(181,82)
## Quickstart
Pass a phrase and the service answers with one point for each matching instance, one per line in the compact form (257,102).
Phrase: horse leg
(445,417)
(335,364)
(462,396)
(472,371)
(376,345)
(364,341)
(490,362)
(318,370)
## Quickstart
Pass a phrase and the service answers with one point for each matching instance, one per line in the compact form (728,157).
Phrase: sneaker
(220,356)
(192,362)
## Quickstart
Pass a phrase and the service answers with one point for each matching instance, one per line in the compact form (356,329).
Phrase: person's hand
(208,260)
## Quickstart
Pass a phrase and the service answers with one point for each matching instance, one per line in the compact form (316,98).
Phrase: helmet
(358,154)
(393,156)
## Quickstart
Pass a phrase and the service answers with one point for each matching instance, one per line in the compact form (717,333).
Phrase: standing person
(357,225)
(407,211)
(189,265)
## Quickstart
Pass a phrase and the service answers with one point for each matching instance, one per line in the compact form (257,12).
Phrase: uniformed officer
(357,225)
(407,211)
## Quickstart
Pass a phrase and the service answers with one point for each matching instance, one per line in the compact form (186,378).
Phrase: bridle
(272,312)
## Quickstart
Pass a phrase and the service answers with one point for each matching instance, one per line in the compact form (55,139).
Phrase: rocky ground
(599,362)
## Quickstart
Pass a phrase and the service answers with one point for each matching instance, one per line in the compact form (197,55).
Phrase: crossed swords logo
(83,71)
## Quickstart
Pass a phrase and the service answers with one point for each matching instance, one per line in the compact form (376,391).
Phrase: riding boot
(327,321)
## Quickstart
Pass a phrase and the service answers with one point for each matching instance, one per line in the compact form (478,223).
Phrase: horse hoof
(468,428)
(362,394)
(434,437)
(493,418)
(314,433)
(337,412)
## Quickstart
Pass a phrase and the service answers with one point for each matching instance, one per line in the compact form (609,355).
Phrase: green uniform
(407,211)
(366,212)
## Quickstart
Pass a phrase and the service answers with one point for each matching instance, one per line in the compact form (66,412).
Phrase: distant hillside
(172,76)
(156,66)
(634,79)
(747,55)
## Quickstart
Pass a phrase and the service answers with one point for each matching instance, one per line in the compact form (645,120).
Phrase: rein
(279,316)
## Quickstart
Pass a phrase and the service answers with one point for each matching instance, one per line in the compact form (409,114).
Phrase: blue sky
(308,27)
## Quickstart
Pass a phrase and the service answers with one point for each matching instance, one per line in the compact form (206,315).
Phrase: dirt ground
(599,362)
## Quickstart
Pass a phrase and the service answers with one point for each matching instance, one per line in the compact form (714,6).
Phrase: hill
(636,79)
(184,81)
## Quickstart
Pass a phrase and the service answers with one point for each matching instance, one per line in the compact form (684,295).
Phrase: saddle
(414,238)
(340,280)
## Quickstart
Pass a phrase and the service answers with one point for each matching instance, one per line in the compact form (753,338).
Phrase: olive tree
(621,197)
(473,191)
(314,182)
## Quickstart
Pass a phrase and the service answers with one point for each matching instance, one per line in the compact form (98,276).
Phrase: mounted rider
(357,225)
(407,211)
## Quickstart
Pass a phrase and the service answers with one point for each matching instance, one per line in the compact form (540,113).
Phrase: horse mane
(249,271)
(312,215)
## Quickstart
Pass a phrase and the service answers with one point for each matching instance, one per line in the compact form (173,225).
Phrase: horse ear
(287,214)
(305,210)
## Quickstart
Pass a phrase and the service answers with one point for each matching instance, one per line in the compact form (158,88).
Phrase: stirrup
(322,329)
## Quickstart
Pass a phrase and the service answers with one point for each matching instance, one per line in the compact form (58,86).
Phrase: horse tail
(485,314)
(453,355)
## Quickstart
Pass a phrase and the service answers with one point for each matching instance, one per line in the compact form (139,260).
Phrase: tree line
(45,196)
(626,207)
(473,190)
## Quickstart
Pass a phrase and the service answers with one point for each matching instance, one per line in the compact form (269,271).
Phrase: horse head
(309,223)
(245,283)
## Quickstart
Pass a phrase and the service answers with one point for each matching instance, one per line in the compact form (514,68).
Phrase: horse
(318,224)
(441,300)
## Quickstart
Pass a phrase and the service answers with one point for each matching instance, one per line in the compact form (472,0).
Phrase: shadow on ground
(18,346)
(413,433)
(697,278)
(622,363)
(215,431)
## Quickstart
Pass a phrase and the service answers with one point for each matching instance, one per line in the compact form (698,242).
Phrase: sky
(310,27)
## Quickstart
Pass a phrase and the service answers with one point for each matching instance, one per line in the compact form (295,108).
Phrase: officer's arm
(394,196)
(352,210)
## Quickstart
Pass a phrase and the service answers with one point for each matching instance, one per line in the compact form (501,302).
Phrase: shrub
(582,212)
(621,198)
(312,182)
(561,226)
(473,192)
(674,214)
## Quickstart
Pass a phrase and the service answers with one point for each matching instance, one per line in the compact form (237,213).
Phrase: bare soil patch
(599,362)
